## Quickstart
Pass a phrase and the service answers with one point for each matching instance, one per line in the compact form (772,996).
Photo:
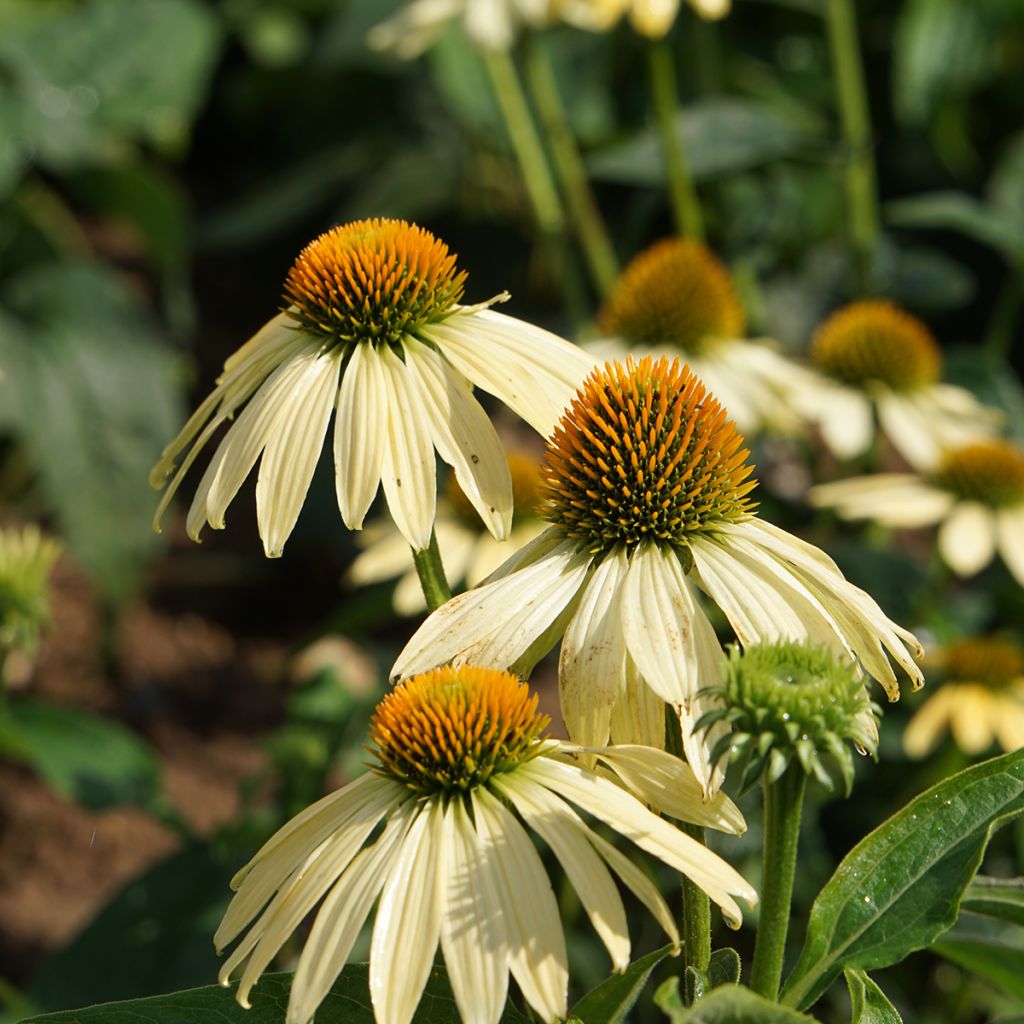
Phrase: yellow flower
(647,486)
(981,703)
(975,494)
(374,332)
(677,298)
(876,358)
(651,18)
(462,766)
(468,552)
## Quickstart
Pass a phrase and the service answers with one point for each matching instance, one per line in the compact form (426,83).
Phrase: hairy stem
(431,573)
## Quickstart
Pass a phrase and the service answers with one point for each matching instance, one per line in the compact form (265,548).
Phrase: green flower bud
(786,701)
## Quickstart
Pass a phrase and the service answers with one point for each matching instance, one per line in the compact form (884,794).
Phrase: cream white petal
(669,785)
(592,664)
(535,373)
(292,452)
(561,828)
(657,618)
(624,813)
(366,799)
(638,716)
(930,721)
(241,447)
(360,434)
(341,917)
(910,430)
(967,539)
(497,623)
(463,435)
(638,884)
(294,900)
(899,500)
(536,942)
(473,935)
(845,421)
(407,927)
(408,472)
(386,554)
(532,551)
(1010,536)
(970,722)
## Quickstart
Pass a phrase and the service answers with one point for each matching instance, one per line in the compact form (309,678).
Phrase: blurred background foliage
(161,163)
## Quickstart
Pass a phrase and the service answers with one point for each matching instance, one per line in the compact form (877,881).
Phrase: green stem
(1003,322)
(526,144)
(586,215)
(783,803)
(682,191)
(431,573)
(696,921)
(859,174)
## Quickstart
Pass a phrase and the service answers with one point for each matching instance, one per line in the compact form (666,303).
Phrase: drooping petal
(474,939)
(967,539)
(561,828)
(535,373)
(407,928)
(408,472)
(638,716)
(844,417)
(971,723)
(463,435)
(624,813)
(592,665)
(360,434)
(341,917)
(537,954)
(1010,531)
(898,500)
(292,452)
(497,623)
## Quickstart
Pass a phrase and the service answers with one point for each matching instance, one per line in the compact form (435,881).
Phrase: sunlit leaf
(611,1001)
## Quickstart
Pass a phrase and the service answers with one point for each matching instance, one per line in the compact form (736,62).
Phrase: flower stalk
(696,921)
(430,570)
(664,95)
(526,143)
(859,173)
(783,805)
(598,250)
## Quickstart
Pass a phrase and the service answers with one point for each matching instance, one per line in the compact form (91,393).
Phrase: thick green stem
(526,144)
(431,574)
(859,173)
(682,191)
(783,803)
(572,174)
(696,921)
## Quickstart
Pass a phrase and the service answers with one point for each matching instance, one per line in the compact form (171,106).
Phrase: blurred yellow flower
(468,552)
(650,18)
(26,558)
(464,771)
(975,492)
(677,298)
(981,703)
(647,489)
(374,333)
(876,359)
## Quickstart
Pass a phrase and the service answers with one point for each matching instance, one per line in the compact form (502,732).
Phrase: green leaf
(1001,898)
(721,136)
(1000,961)
(723,969)
(868,1002)
(899,889)
(957,211)
(348,1003)
(94,761)
(89,75)
(96,397)
(733,1004)
(610,1001)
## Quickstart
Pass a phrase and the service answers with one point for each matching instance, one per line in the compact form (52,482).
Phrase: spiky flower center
(525,473)
(875,341)
(677,294)
(789,700)
(644,452)
(989,472)
(372,281)
(990,661)
(450,729)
